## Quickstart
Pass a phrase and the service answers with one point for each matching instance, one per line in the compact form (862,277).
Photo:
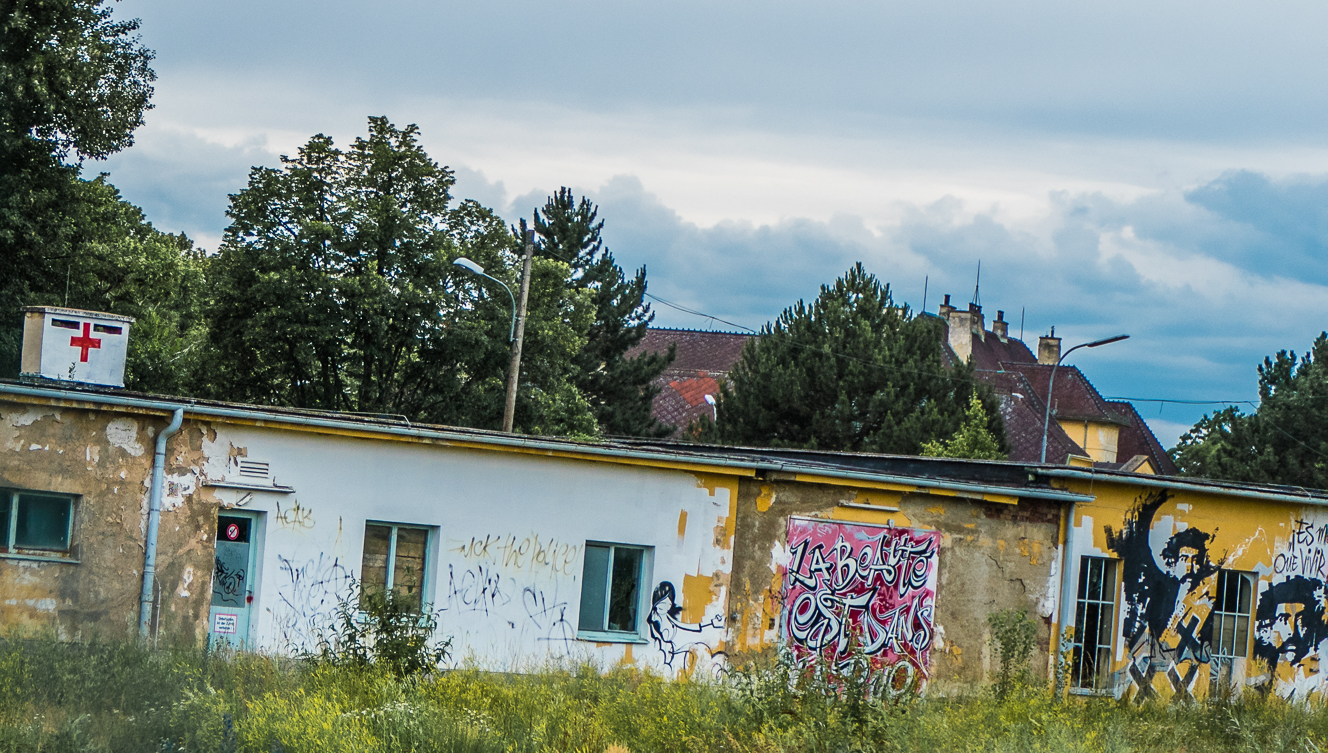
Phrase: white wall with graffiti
(508,542)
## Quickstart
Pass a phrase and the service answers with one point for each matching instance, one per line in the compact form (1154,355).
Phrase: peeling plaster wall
(506,553)
(105,458)
(1169,547)
(992,557)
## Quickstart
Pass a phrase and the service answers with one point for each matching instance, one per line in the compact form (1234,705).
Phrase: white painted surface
(504,568)
(79,346)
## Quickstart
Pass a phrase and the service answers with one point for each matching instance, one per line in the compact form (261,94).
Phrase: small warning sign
(224,623)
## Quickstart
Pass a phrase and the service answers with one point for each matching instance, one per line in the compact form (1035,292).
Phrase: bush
(1013,633)
(379,626)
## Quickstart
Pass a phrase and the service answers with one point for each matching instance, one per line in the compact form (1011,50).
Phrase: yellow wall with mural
(1203,592)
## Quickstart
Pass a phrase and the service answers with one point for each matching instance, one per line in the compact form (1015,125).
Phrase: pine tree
(1285,441)
(618,389)
(851,371)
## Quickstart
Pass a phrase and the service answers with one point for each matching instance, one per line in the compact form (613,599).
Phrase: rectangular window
(612,588)
(1094,623)
(35,521)
(394,558)
(1231,614)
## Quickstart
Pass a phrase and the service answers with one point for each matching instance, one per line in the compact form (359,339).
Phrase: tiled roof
(1076,398)
(697,350)
(989,352)
(703,359)
(1024,413)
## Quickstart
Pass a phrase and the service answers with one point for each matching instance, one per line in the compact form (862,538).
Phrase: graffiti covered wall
(1214,594)
(856,587)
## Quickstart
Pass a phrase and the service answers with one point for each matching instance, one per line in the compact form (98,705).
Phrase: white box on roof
(72,345)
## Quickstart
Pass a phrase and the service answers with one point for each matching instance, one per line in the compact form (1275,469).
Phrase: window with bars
(395,559)
(1231,614)
(1094,624)
(612,590)
(37,521)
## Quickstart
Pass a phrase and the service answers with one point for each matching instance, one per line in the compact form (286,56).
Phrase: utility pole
(514,369)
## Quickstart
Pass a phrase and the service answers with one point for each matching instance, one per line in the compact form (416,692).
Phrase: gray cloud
(1172,71)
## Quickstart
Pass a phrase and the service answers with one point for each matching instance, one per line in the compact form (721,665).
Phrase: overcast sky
(1157,169)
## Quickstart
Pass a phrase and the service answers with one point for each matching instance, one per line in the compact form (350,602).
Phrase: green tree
(973,439)
(74,83)
(1285,441)
(618,389)
(335,289)
(852,371)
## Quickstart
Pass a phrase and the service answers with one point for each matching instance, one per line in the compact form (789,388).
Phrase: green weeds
(115,697)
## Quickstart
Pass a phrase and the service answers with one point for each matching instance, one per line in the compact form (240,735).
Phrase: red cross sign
(85,342)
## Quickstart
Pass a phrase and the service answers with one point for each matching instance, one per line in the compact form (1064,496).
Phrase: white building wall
(505,566)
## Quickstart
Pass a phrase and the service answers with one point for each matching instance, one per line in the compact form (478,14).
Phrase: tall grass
(115,697)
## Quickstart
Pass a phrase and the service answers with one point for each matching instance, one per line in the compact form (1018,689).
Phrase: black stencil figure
(1166,593)
(665,627)
(1290,634)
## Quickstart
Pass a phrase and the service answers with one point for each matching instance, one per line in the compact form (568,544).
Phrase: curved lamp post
(1051,383)
(474,268)
(518,328)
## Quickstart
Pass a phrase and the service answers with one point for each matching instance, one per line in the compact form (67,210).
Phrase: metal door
(233,579)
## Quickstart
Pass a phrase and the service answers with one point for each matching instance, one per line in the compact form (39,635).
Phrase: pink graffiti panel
(850,583)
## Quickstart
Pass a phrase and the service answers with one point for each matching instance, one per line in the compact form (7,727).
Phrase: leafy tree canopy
(851,371)
(335,289)
(617,389)
(1285,441)
(75,83)
(71,77)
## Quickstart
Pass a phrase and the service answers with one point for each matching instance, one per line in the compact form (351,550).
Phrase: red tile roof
(703,360)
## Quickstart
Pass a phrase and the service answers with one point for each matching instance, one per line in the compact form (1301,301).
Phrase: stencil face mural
(1187,609)
(1167,582)
(854,583)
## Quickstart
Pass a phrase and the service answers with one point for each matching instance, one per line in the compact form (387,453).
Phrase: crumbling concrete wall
(104,458)
(993,556)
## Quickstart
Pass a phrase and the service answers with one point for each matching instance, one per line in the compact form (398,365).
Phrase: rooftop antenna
(977,300)
(1021,324)
(926,279)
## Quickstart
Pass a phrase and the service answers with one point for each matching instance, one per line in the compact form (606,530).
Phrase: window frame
(1222,664)
(1250,582)
(643,580)
(426,576)
(8,547)
(1106,599)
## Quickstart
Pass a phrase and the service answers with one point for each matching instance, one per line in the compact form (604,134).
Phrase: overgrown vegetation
(116,697)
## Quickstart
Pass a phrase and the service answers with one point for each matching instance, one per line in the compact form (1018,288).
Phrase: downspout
(1065,602)
(154,521)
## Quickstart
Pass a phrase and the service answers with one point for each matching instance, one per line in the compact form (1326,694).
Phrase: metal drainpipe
(154,520)
(1065,602)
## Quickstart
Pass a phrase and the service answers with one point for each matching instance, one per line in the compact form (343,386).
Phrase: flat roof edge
(735,465)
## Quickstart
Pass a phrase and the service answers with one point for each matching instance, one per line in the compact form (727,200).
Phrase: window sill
(599,636)
(39,558)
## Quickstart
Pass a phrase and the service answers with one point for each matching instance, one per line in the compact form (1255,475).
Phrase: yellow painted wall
(1167,549)
(1098,439)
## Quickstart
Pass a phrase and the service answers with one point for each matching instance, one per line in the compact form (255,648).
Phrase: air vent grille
(254,469)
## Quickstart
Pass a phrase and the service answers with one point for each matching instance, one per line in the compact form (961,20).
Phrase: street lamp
(518,329)
(471,266)
(1051,383)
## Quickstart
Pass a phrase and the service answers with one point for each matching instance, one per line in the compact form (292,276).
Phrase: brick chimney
(963,327)
(1049,348)
(1000,327)
(946,308)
